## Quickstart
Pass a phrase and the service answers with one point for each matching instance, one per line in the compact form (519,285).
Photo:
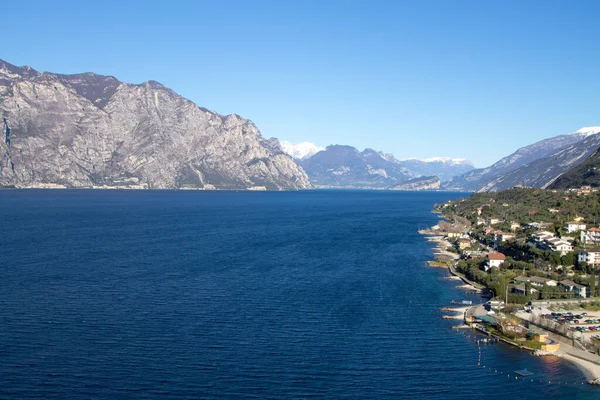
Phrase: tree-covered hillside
(525,205)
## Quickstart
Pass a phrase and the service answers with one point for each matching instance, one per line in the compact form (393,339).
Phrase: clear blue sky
(474,79)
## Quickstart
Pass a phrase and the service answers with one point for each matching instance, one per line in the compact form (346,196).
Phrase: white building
(574,226)
(591,235)
(495,260)
(500,236)
(556,244)
(591,256)
(542,235)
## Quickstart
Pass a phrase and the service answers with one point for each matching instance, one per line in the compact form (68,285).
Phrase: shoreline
(459,312)
(474,286)
(440,250)
(587,362)
(589,369)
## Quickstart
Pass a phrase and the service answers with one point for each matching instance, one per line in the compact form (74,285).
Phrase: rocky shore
(440,252)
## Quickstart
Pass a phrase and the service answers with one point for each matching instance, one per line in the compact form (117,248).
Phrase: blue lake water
(184,295)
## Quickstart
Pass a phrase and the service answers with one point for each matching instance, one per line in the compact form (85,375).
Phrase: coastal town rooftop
(494,255)
(536,280)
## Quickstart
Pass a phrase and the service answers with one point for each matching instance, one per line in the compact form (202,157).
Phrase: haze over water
(120,294)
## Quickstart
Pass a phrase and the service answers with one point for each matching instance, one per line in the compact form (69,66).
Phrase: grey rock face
(84,130)
(422,183)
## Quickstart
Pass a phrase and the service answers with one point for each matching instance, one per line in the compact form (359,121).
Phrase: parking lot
(577,321)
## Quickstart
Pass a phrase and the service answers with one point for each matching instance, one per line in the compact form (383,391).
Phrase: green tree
(568,259)
(555,258)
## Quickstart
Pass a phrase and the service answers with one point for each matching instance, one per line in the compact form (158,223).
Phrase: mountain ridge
(542,172)
(398,170)
(479,179)
(345,166)
(302,150)
(84,130)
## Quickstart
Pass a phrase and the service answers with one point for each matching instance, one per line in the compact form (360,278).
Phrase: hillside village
(527,244)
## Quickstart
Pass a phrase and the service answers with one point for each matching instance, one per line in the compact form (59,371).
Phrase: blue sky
(474,79)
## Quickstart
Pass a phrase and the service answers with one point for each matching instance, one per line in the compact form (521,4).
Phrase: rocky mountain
(422,183)
(443,167)
(543,172)
(490,178)
(345,166)
(302,150)
(88,130)
(586,173)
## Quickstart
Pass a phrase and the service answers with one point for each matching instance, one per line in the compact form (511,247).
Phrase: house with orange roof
(494,260)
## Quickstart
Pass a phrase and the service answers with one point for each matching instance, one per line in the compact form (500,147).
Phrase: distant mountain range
(302,150)
(443,167)
(345,166)
(535,165)
(89,130)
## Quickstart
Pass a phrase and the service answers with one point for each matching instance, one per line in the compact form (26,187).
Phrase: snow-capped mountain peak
(444,160)
(388,157)
(301,150)
(447,160)
(587,131)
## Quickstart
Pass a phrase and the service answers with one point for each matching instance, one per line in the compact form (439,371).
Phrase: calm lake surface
(185,295)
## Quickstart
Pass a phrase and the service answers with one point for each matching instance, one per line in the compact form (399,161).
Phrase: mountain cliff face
(422,183)
(488,179)
(87,130)
(345,166)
